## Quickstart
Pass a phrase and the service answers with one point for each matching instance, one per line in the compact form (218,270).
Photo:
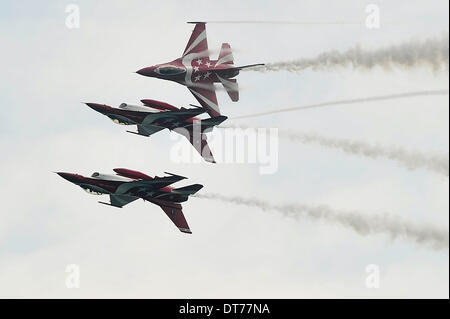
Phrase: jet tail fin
(175,213)
(176,216)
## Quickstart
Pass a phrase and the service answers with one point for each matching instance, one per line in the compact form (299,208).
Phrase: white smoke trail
(430,52)
(349,101)
(438,163)
(432,236)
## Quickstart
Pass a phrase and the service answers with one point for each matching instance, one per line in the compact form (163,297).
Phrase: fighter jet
(155,116)
(196,71)
(129,185)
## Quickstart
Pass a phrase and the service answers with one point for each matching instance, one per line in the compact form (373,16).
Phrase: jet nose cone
(145,71)
(95,106)
(73,178)
(92,105)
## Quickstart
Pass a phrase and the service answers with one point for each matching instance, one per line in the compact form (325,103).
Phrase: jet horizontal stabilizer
(109,204)
(225,55)
(175,175)
(188,190)
(208,124)
(179,195)
(137,133)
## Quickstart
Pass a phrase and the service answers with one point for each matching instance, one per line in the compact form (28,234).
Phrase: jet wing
(198,43)
(141,188)
(148,130)
(206,96)
(119,200)
(175,213)
(161,182)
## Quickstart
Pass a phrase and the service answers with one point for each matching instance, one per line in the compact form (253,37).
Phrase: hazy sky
(47,223)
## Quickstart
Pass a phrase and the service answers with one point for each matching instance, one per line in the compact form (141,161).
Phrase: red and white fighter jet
(129,185)
(196,71)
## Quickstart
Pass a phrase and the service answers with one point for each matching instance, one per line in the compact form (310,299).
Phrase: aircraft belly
(94,188)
